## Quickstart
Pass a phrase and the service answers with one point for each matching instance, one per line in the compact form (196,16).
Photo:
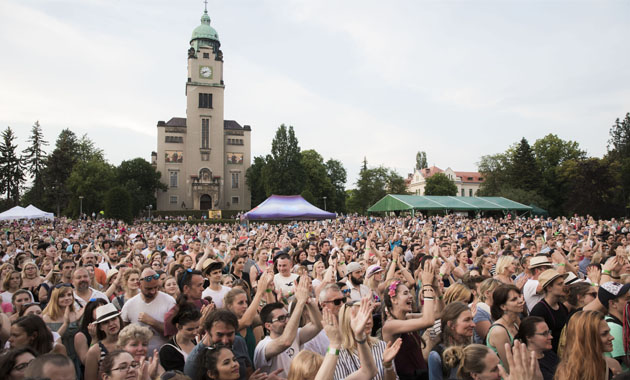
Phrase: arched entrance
(205,202)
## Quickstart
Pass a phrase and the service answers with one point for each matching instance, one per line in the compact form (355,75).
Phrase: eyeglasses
(126,367)
(21,367)
(282,318)
(544,333)
(338,301)
(151,278)
(65,284)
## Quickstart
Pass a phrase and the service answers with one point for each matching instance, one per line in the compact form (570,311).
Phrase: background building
(467,183)
(202,157)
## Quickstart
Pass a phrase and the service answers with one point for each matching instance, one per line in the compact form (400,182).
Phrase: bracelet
(606,271)
(268,290)
(561,264)
(361,341)
(441,274)
(342,263)
(390,366)
(333,351)
(394,261)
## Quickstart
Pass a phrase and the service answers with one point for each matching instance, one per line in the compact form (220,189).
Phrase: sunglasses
(346,291)
(151,278)
(181,280)
(282,318)
(338,301)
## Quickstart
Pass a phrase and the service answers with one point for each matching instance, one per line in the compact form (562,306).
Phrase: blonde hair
(128,274)
(53,310)
(314,271)
(134,332)
(488,285)
(457,292)
(467,359)
(305,366)
(27,263)
(503,263)
(7,280)
(347,336)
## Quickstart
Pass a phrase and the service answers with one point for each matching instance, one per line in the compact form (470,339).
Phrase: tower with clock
(203,157)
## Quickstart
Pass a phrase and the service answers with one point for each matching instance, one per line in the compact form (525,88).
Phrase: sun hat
(547,277)
(373,269)
(105,313)
(539,261)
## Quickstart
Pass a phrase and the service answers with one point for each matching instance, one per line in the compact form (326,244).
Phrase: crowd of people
(385,298)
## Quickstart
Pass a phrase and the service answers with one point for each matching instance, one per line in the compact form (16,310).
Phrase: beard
(356,281)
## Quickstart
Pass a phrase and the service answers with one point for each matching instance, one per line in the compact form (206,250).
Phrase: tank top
(410,363)
(510,337)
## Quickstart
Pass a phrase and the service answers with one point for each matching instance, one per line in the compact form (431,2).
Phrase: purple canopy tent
(287,207)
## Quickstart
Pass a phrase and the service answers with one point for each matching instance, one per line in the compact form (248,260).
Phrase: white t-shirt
(155,309)
(529,293)
(285,284)
(282,360)
(81,303)
(7,297)
(217,296)
(319,344)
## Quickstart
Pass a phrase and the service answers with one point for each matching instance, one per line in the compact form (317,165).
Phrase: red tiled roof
(470,176)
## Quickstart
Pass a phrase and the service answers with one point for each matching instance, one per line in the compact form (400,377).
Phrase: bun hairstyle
(467,359)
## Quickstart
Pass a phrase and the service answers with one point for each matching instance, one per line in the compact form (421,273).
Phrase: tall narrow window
(470,192)
(173,178)
(205,100)
(463,194)
(205,133)
(235,180)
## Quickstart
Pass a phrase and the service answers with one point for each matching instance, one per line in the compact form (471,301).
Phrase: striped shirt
(348,362)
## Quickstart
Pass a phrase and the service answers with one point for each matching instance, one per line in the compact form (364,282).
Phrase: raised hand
(523,364)
(360,317)
(428,273)
(391,350)
(302,292)
(331,326)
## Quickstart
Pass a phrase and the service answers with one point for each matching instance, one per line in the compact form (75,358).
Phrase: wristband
(606,271)
(561,264)
(428,298)
(361,341)
(268,290)
(394,261)
(332,351)
(390,366)
(441,274)
(342,263)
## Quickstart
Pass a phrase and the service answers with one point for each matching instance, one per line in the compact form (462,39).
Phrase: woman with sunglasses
(535,333)
(13,363)
(108,324)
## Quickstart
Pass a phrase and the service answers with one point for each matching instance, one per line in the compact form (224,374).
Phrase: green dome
(204,31)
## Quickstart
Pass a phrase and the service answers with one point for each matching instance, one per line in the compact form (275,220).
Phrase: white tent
(30,212)
(33,212)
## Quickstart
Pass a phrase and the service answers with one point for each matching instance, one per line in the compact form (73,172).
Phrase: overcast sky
(381,79)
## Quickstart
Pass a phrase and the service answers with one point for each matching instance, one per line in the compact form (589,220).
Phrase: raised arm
(276,346)
(358,320)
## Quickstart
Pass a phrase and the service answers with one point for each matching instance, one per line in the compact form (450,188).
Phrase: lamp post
(150,207)
(324,203)
(80,206)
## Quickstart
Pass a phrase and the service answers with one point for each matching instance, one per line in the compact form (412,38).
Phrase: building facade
(203,157)
(468,183)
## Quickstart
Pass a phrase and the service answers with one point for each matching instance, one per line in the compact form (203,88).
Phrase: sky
(375,79)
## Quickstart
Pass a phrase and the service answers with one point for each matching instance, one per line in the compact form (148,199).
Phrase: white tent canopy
(30,212)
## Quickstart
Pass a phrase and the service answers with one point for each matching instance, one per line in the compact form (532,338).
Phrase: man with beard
(354,272)
(83,293)
(149,307)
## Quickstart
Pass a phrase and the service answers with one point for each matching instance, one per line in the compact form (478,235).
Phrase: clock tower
(203,158)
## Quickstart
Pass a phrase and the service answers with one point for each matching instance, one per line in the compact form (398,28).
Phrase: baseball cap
(610,291)
(353,267)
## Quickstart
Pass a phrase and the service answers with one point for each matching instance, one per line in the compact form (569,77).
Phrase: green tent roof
(396,202)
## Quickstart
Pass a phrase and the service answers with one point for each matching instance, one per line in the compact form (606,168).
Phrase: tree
(255,182)
(421,160)
(35,161)
(142,181)
(338,177)
(395,183)
(91,180)
(59,165)
(524,171)
(12,168)
(284,173)
(440,184)
(316,180)
(372,185)
(619,142)
(87,150)
(118,204)
(495,169)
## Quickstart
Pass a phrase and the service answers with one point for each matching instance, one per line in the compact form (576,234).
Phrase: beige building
(467,183)
(203,158)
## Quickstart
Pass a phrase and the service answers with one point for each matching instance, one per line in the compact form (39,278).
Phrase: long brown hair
(583,357)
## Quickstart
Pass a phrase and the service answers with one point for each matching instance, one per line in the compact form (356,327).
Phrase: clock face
(205,72)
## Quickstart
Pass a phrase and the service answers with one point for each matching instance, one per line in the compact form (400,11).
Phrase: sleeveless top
(410,363)
(104,353)
(250,341)
(510,337)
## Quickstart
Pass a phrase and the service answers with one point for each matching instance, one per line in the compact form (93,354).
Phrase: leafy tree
(91,180)
(87,150)
(317,182)
(141,180)
(35,161)
(118,204)
(59,165)
(372,185)
(284,173)
(619,142)
(524,171)
(440,184)
(255,182)
(495,169)
(395,183)
(12,168)
(338,177)
(421,160)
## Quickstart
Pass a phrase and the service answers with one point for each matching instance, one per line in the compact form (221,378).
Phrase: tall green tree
(91,180)
(284,173)
(395,183)
(118,204)
(35,161)
(338,177)
(495,169)
(255,181)
(87,150)
(59,165)
(421,160)
(619,152)
(524,170)
(316,180)
(440,184)
(142,182)
(372,185)
(12,168)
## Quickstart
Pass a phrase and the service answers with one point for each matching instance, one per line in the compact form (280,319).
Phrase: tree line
(74,177)
(558,176)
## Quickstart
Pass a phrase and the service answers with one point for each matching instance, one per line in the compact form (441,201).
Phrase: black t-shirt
(556,319)
(548,364)
(308,264)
